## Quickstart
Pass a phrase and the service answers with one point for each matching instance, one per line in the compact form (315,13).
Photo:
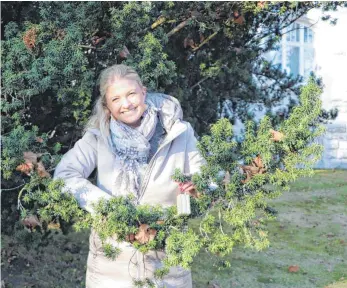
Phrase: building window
(296,54)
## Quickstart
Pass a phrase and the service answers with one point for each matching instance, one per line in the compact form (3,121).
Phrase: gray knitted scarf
(131,145)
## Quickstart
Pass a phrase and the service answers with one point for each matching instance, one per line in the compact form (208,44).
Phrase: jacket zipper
(148,170)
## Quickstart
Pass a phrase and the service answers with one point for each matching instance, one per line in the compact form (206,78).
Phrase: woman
(135,140)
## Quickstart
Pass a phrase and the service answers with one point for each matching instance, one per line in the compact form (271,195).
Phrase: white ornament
(183,204)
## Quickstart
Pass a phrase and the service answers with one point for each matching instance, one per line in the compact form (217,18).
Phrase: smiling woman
(136,140)
(125,98)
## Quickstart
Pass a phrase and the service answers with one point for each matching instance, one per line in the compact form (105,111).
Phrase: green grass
(323,179)
(59,262)
(340,284)
(310,231)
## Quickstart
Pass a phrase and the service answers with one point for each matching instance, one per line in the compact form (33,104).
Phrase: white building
(331,60)
(316,45)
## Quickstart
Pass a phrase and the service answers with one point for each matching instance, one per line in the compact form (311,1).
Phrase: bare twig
(198,83)
(205,41)
(52,133)
(14,188)
(160,21)
(131,261)
(253,39)
(87,47)
(220,221)
(179,27)
(94,33)
(15,98)
(202,232)
(20,206)
(300,28)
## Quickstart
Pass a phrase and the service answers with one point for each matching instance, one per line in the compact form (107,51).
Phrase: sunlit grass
(310,231)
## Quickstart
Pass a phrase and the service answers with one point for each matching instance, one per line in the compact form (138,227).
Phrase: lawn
(310,232)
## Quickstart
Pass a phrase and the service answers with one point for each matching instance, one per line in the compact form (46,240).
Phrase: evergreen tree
(203,53)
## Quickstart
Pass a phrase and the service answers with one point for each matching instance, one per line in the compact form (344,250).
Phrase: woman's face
(125,98)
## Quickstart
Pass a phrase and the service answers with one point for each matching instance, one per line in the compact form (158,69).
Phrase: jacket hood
(169,109)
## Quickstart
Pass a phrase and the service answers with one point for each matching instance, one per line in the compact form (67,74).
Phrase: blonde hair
(101,115)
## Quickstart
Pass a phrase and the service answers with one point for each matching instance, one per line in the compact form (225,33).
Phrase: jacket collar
(170,115)
(169,109)
(177,129)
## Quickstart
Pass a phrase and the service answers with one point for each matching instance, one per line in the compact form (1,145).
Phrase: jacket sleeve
(193,160)
(76,166)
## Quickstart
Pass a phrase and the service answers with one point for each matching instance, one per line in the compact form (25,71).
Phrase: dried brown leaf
(226,179)
(31,221)
(261,4)
(293,268)
(257,167)
(258,162)
(189,42)
(249,176)
(276,136)
(145,234)
(96,40)
(25,168)
(41,170)
(124,53)
(60,34)
(39,139)
(30,157)
(238,18)
(30,37)
(152,232)
(251,169)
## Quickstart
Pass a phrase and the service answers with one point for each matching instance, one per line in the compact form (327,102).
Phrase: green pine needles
(233,188)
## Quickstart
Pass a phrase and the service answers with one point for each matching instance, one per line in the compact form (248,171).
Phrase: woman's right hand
(189,188)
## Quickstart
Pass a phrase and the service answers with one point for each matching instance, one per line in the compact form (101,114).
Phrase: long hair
(100,118)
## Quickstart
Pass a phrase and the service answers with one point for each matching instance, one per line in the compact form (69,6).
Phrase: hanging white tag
(183,204)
